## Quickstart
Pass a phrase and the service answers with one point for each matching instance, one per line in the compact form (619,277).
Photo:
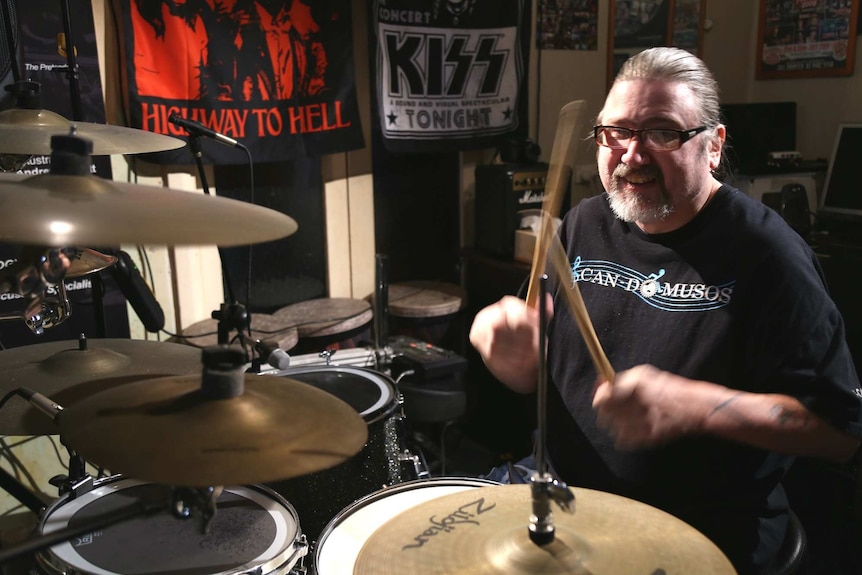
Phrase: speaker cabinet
(502,192)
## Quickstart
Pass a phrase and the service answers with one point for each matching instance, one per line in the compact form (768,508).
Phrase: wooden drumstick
(579,309)
(559,171)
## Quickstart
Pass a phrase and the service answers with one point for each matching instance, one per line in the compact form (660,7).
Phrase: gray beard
(631,209)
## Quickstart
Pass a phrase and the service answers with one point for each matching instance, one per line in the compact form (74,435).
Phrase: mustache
(625,171)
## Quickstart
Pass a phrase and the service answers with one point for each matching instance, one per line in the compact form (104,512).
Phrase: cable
(251,200)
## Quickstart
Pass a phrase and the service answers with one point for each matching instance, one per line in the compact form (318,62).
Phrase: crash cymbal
(86,261)
(61,210)
(263,327)
(485,531)
(68,371)
(168,431)
(27,132)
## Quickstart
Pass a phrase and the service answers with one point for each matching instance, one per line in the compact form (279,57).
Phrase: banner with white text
(449,75)
(275,75)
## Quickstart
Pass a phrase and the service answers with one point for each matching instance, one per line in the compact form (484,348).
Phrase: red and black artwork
(275,75)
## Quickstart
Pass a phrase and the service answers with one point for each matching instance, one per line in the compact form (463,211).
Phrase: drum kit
(192,434)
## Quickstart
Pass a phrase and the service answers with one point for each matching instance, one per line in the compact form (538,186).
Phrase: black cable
(10,395)
(251,200)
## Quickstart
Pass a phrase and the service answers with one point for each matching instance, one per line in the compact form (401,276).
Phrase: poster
(806,38)
(275,75)
(449,76)
(567,25)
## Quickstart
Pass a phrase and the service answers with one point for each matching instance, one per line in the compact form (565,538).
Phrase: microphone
(137,292)
(198,129)
(274,355)
(42,403)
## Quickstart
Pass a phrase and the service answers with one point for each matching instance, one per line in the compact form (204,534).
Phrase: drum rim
(381,409)
(291,546)
(453,481)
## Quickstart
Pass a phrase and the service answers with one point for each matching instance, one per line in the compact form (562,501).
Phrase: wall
(556,78)
(729,51)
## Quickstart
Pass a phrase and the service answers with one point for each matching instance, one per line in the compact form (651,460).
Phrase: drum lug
(413,464)
(301,546)
(67,486)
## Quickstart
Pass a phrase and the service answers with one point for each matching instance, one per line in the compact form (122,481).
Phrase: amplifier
(503,190)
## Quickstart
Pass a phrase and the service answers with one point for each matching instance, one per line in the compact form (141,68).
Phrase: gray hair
(676,65)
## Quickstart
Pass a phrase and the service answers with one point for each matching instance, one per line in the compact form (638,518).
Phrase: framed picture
(806,39)
(687,26)
(635,25)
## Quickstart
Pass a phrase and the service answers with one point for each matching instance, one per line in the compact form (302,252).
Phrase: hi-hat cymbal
(166,431)
(69,371)
(60,210)
(485,530)
(27,132)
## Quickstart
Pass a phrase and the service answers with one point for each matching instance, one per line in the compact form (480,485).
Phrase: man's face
(659,190)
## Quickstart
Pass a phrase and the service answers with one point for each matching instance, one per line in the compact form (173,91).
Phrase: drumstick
(579,309)
(559,171)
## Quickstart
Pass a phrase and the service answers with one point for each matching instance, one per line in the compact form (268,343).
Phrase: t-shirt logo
(654,288)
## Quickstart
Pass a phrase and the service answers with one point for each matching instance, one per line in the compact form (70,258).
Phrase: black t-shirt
(735,297)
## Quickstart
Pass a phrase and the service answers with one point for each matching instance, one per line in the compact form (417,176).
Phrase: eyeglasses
(660,140)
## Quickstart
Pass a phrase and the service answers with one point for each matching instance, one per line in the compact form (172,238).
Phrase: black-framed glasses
(661,140)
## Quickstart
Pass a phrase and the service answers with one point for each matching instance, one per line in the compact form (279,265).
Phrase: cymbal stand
(34,276)
(543,487)
(382,351)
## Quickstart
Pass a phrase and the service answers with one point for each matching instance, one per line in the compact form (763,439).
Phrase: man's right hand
(506,335)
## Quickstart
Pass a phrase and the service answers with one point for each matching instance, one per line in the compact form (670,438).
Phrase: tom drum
(254,530)
(383,461)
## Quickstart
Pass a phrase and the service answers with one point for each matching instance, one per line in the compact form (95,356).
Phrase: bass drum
(254,530)
(383,461)
(338,547)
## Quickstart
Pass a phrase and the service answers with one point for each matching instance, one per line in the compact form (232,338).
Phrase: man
(729,354)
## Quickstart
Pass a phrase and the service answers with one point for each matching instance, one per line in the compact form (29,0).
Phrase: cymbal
(68,371)
(87,261)
(61,210)
(27,132)
(166,431)
(485,530)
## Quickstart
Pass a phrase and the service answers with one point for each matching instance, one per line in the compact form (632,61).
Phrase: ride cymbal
(63,210)
(485,530)
(68,371)
(28,132)
(169,431)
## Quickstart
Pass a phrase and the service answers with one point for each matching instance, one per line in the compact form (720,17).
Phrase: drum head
(366,391)
(251,528)
(342,540)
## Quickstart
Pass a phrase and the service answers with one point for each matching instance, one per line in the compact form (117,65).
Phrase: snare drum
(254,530)
(340,542)
(318,497)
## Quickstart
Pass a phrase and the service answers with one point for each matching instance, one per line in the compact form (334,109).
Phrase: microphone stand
(11,35)
(230,316)
(72,74)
